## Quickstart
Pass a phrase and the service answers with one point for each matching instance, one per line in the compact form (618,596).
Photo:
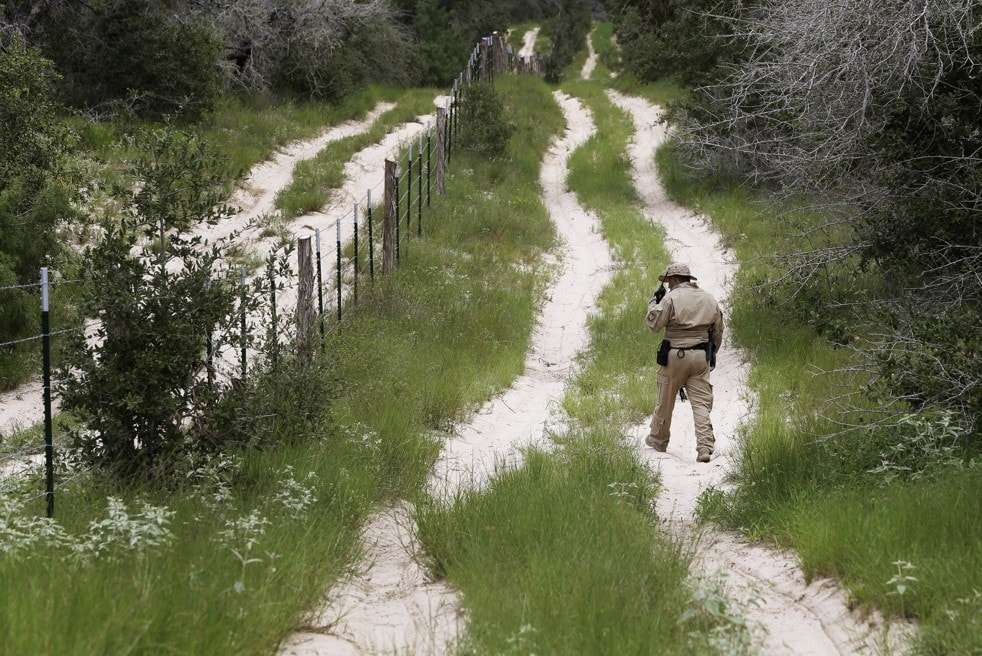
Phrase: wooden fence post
(389,219)
(485,69)
(306,312)
(441,146)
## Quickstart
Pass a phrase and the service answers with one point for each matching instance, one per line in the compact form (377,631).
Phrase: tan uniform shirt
(686,313)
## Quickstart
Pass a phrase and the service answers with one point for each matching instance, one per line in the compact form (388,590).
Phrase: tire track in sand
(790,616)
(391,606)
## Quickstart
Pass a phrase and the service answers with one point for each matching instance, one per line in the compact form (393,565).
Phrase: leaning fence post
(242,321)
(441,150)
(305,298)
(371,239)
(320,286)
(388,223)
(49,448)
(338,242)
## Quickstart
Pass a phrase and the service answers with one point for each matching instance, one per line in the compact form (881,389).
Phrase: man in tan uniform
(692,321)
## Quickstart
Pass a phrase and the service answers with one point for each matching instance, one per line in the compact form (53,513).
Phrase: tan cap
(677,269)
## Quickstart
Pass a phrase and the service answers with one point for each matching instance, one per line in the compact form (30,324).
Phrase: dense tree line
(866,113)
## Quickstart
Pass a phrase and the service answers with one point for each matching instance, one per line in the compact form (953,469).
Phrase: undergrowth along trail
(447,330)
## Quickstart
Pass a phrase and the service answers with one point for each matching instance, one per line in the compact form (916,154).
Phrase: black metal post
(409,193)
(320,284)
(419,191)
(371,240)
(338,224)
(242,321)
(49,447)
(451,117)
(429,165)
(271,274)
(396,189)
(356,253)
(210,358)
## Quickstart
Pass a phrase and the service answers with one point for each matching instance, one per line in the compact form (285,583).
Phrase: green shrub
(569,32)
(37,195)
(133,53)
(678,39)
(484,129)
(141,383)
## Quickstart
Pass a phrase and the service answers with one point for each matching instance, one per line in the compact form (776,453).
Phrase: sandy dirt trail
(21,408)
(364,172)
(788,615)
(591,60)
(390,606)
(528,42)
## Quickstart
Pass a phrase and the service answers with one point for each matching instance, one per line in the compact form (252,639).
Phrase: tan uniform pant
(689,368)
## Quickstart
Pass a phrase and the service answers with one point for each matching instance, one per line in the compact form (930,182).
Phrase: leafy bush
(37,193)
(680,39)
(140,382)
(485,129)
(134,53)
(569,33)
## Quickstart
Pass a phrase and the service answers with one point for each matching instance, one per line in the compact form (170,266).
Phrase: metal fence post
(338,241)
(429,165)
(320,285)
(271,274)
(355,216)
(371,239)
(397,215)
(409,193)
(419,190)
(441,151)
(49,448)
(242,321)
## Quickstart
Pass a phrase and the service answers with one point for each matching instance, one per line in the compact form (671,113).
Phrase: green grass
(419,352)
(561,556)
(607,56)
(815,495)
(660,92)
(315,179)
(244,129)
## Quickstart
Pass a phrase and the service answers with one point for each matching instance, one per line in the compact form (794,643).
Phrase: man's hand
(659,294)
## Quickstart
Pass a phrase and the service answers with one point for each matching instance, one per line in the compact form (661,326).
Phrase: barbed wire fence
(411,180)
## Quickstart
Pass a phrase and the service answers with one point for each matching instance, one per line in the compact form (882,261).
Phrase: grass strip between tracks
(422,349)
(314,179)
(562,555)
(817,495)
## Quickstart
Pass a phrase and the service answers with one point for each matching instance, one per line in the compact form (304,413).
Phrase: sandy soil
(21,408)
(528,42)
(391,606)
(591,60)
(789,615)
